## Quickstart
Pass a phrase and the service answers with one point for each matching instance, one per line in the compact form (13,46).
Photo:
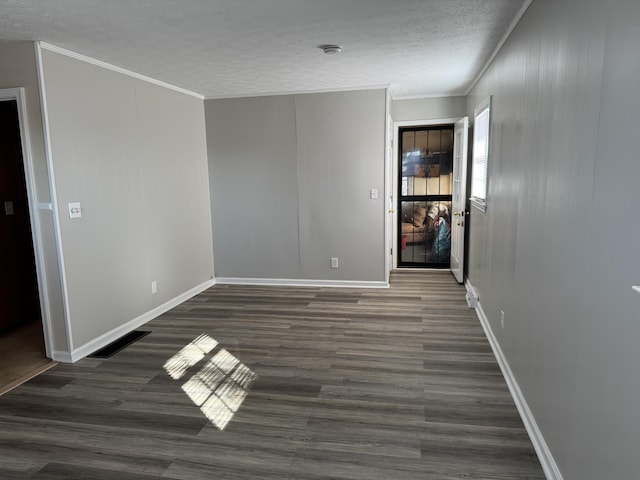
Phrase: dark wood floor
(391,384)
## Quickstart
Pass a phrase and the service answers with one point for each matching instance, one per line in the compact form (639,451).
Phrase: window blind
(480,163)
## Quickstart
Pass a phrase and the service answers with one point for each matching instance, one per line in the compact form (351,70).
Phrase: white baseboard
(548,463)
(63,357)
(287,282)
(108,337)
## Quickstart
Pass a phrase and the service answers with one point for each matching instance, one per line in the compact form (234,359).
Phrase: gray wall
(428,108)
(134,155)
(290,181)
(557,247)
(18,69)
(254,186)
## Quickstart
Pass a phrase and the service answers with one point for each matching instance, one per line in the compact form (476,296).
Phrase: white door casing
(460,149)
(393,207)
(18,94)
(388,194)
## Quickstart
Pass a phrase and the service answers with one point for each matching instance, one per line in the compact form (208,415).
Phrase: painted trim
(394,190)
(289,282)
(503,40)
(112,335)
(423,97)
(8,94)
(426,122)
(300,92)
(62,357)
(36,233)
(44,206)
(481,207)
(115,68)
(459,173)
(389,195)
(18,94)
(54,200)
(427,269)
(548,463)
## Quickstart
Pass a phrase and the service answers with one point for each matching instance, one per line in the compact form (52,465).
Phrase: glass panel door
(424,230)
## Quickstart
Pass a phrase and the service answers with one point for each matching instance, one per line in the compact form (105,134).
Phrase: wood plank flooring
(393,384)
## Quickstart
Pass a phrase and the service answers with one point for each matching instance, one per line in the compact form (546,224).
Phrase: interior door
(19,301)
(459,200)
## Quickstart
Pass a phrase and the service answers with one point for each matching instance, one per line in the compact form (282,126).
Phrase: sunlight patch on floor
(219,387)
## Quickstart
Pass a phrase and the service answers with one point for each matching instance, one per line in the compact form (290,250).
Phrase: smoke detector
(331,49)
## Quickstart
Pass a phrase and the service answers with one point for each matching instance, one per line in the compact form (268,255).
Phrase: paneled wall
(428,108)
(290,181)
(556,249)
(254,186)
(134,155)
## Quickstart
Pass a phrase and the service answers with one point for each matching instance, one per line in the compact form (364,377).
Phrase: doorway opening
(425,173)
(21,332)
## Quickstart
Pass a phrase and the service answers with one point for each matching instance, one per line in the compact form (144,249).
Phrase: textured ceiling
(223,48)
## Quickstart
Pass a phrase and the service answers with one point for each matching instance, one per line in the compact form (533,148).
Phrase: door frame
(389,192)
(394,177)
(459,224)
(18,94)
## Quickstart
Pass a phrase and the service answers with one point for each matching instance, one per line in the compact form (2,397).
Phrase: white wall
(428,108)
(18,68)
(557,247)
(290,181)
(134,155)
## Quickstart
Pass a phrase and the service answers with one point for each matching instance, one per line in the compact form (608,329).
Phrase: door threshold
(25,378)
(419,269)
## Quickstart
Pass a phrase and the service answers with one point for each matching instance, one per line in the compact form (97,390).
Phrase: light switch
(373,193)
(8,207)
(75,211)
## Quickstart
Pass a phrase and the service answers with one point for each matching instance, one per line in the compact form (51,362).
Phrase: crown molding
(115,68)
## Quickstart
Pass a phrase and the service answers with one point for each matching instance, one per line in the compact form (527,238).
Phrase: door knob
(460,224)
(459,214)
(392,210)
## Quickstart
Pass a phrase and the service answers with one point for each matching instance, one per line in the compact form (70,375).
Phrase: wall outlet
(334,262)
(502,319)
(154,287)
(75,210)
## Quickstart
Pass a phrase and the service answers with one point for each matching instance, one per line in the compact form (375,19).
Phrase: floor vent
(120,344)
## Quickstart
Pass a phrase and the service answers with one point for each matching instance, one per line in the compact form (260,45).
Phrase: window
(479,168)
